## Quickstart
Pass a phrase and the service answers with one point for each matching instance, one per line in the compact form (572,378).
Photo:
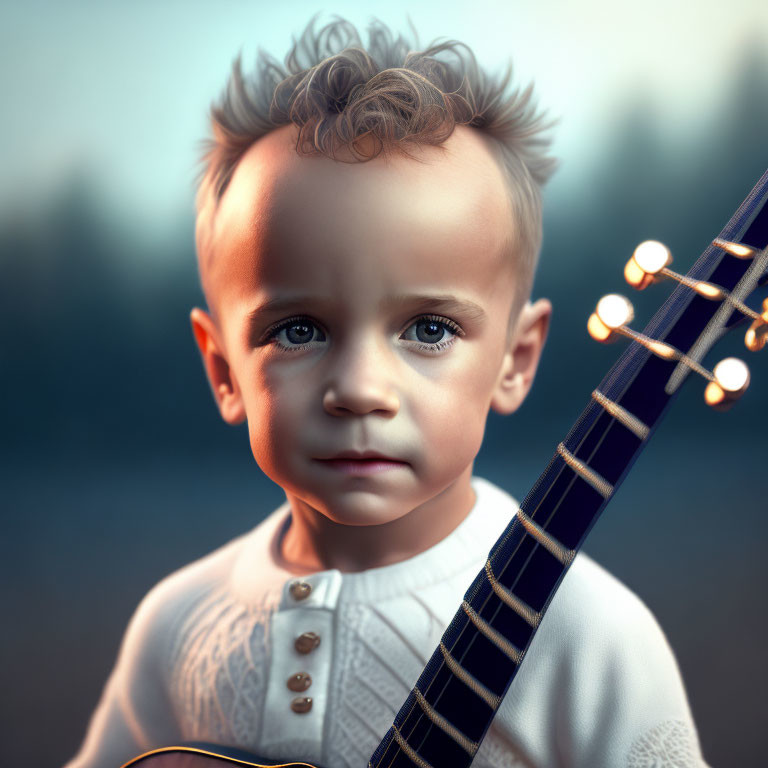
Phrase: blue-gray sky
(117,92)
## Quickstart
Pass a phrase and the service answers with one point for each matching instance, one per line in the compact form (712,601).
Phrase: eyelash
(433,349)
(270,336)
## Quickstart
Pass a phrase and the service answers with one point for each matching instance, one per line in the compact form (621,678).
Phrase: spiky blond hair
(353,101)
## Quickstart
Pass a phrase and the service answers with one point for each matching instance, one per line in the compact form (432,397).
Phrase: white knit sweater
(207,655)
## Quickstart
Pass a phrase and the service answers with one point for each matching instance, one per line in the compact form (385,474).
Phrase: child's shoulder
(602,609)
(596,616)
(600,676)
(226,573)
(590,588)
(597,635)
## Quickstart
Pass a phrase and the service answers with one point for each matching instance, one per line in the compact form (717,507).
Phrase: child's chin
(357,510)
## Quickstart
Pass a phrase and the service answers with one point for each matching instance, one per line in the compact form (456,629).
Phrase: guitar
(486,642)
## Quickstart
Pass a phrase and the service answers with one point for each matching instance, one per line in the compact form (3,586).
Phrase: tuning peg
(611,316)
(650,264)
(735,249)
(757,334)
(730,379)
(610,320)
(647,264)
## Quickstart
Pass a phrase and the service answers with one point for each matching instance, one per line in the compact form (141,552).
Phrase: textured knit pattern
(668,745)
(208,653)
(220,664)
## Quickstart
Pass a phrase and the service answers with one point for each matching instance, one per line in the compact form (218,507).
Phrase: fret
(434,744)
(474,685)
(469,746)
(564,506)
(413,755)
(447,693)
(552,545)
(600,484)
(495,637)
(510,599)
(537,572)
(622,415)
(476,653)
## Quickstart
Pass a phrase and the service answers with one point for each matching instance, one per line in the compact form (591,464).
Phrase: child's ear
(522,358)
(224,387)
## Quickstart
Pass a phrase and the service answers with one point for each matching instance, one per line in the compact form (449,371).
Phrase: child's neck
(313,542)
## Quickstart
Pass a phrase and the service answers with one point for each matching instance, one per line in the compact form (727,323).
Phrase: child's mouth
(362,466)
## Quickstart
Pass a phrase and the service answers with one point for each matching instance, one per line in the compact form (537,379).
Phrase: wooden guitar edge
(208,753)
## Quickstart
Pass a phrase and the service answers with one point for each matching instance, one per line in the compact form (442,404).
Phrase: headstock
(650,264)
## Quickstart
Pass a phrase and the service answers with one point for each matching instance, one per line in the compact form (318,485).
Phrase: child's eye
(432,333)
(295,334)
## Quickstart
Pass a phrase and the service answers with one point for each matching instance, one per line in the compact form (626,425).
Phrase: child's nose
(361,382)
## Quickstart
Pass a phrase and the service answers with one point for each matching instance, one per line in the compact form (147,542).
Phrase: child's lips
(352,464)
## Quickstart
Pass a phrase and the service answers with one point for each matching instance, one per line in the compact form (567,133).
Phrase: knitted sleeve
(600,686)
(134,714)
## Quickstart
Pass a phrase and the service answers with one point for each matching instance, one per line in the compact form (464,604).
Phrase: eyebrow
(440,303)
(418,302)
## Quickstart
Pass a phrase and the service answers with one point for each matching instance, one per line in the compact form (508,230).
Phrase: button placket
(302,629)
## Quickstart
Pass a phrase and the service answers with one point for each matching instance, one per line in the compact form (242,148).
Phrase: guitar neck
(486,642)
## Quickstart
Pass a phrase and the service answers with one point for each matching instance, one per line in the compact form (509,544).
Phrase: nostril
(361,400)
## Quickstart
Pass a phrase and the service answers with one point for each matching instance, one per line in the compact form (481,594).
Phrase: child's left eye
(432,333)
(295,334)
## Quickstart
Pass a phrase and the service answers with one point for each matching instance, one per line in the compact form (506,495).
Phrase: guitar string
(525,564)
(611,422)
(588,433)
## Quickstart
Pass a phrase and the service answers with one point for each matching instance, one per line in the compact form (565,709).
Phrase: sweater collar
(258,572)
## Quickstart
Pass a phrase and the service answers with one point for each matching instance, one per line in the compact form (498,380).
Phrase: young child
(368,226)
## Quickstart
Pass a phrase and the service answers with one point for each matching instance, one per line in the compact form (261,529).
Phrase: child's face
(361,307)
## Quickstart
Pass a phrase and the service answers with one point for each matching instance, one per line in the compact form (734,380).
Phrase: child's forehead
(271,172)
(452,198)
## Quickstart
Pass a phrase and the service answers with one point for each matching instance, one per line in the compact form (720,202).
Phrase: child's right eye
(295,334)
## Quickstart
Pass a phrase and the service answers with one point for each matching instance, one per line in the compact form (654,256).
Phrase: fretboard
(447,714)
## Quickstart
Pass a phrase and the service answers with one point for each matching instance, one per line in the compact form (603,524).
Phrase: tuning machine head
(647,264)
(727,382)
(610,319)
(730,379)
(757,334)
(650,264)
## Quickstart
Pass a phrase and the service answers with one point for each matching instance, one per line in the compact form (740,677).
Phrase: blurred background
(115,467)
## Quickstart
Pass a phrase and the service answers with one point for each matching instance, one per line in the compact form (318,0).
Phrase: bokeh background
(115,468)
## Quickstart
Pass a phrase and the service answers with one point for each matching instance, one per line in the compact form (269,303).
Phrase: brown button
(306,642)
(299,682)
(300,590)
(301,705)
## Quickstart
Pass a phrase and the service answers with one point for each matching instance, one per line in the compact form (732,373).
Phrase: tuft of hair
(385,97)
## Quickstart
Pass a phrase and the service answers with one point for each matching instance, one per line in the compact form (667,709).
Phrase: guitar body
(204,756)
